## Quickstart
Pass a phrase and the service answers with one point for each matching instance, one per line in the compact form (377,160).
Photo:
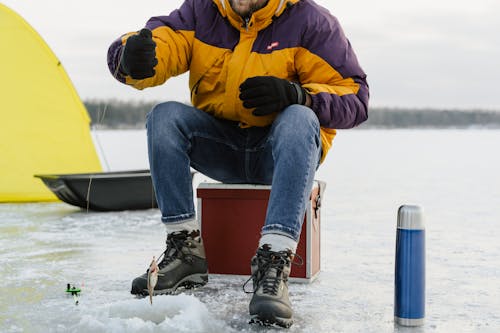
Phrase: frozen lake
(453,174)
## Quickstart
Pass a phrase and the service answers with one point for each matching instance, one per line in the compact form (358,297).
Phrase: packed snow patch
(180,313)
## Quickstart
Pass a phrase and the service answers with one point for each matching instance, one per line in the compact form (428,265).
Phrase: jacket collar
(260,19)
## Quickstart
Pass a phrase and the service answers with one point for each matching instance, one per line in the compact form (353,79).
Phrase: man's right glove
(139,56)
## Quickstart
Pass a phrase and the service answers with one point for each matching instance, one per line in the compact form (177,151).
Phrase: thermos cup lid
(410,217)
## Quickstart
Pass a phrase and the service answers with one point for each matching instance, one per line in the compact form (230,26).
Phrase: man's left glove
(268,94)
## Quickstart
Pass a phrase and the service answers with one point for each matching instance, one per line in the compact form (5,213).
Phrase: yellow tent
(44,126)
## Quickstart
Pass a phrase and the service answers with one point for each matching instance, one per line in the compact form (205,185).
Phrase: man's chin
(243,12)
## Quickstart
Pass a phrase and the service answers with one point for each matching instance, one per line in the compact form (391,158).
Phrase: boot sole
(189,282)
(271,320)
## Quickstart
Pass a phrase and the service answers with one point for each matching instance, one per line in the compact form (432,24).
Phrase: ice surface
(452,174)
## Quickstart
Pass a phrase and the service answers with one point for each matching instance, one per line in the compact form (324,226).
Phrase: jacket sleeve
(328,69)
(173,35)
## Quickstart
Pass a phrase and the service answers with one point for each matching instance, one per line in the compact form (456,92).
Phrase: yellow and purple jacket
(296,40)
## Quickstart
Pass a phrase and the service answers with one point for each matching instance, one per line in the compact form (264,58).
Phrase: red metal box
(231,218)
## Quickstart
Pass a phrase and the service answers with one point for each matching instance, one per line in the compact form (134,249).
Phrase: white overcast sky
(425,53)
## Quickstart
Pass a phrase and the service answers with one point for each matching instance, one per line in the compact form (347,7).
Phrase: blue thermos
(409,280)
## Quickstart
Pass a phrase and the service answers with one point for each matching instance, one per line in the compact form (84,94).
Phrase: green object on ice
(73,290)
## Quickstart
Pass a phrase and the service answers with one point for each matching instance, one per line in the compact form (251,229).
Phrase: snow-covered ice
(452,174)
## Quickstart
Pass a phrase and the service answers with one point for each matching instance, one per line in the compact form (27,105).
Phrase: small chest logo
(273,45)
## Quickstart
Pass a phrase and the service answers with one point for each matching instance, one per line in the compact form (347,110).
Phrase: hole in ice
(182,313)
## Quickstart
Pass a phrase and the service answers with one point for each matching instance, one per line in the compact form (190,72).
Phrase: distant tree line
(430,118)
(132,114)
(118,114)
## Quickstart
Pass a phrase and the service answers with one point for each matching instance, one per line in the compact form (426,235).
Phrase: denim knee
(297,121)
(163,113)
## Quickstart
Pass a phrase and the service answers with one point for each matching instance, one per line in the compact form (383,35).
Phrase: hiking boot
(270,304)
(184,264)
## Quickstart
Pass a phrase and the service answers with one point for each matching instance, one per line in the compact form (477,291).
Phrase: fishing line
(100,119)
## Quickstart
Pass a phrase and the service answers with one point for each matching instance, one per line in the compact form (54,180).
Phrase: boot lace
(269,273)
(175,243)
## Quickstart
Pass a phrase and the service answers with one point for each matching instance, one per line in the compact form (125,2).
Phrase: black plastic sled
(104,191)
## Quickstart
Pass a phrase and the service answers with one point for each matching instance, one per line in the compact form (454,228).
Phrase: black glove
(139,56)
(268,94)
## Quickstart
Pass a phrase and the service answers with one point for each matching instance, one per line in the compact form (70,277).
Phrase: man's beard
(251,9)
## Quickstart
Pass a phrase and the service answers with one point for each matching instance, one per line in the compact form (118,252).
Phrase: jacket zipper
(246,22)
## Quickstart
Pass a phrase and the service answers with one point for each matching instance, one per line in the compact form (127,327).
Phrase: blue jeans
(284,155)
